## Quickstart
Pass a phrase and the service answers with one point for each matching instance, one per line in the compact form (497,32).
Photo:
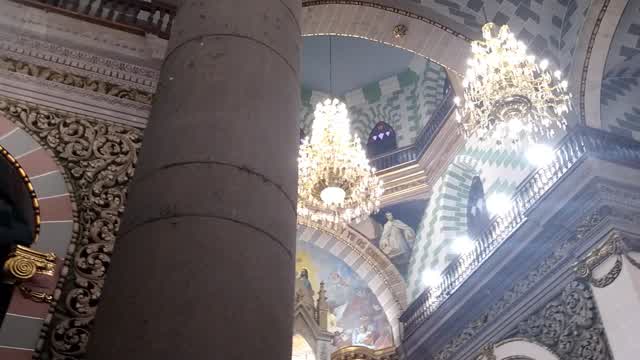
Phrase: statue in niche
(397,238)
(303,288)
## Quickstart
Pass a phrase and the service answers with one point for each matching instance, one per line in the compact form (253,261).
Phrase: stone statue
(304,290)
(397,237)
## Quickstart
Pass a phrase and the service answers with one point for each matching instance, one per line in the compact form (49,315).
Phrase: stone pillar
(613,270)
(204,263)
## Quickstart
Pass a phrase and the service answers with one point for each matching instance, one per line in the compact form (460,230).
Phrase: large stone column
(203,266)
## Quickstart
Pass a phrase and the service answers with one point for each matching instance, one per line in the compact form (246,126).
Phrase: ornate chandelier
(335,182)
(508,97)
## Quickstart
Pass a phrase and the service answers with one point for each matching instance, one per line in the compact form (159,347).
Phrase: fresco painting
(356,317)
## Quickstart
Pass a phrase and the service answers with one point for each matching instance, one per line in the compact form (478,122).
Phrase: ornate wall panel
(99,160)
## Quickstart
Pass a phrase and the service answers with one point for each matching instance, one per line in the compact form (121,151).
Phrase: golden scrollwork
(36,295)
(364,353)
(23,263)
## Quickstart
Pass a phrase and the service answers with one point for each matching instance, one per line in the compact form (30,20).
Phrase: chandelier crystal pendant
(335,182)
(508,96)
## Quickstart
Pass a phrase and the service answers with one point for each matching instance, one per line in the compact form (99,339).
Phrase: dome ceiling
(356,63)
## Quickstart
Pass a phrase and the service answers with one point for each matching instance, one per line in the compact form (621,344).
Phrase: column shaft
(203,265)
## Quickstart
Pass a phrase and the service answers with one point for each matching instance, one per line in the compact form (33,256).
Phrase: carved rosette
(99,160)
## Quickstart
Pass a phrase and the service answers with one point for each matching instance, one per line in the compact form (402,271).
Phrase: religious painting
(355,315)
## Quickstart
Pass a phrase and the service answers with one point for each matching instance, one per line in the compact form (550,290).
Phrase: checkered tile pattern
(404,101)
(620,92)
(501,170)
(549,27)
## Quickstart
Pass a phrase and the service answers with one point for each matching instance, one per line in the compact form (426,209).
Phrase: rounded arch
(52,194)
(443,44)
(371,265)
(382,139)
(520,348)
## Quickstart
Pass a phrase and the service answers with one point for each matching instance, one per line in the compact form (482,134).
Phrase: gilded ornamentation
(78,81)
(35,295)
(569,326)
(400,31)
(23,263)
(364,353)
(99,159)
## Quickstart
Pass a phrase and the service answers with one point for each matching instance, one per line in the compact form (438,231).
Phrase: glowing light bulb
(540,155)
(544,64)
(498,204)
(431,278)
(462,245)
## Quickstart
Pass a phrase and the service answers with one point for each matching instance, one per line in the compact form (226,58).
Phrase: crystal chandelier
(335,182)
(508,96)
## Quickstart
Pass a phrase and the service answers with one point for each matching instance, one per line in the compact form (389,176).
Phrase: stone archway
(375,20)
(371,265)
(87,161)
(519,348)
(53,197)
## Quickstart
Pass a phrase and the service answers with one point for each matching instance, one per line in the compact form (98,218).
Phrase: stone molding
(569,325)
(560,254)
(616,246)
(99,160)
(107,68)
(42,72)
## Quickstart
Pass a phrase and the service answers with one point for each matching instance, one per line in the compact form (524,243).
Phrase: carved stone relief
(520,288)
(569,326)
(99,160)
(78,81)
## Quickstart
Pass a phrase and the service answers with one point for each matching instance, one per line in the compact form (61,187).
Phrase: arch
(371,265)
(447,45)
(521,348)
(382,139)
(603,21)
(54,225)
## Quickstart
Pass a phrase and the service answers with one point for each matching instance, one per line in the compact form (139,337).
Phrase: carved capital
(36,295)
(23,263)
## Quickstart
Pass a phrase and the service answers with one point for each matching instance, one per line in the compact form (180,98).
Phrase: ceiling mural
(620,93)
(355,315)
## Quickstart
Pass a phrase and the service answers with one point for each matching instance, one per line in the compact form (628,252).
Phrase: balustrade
(575,146)
(135,16)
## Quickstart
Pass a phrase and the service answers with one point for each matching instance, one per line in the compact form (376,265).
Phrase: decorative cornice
(520,288)
(613,246)
(77,81)
(99,159)
(82,60)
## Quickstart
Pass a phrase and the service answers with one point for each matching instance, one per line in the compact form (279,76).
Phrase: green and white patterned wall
(405,101)
(501,171)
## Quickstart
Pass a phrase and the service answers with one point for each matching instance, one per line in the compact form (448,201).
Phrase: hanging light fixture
(508,96)
(336,184)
